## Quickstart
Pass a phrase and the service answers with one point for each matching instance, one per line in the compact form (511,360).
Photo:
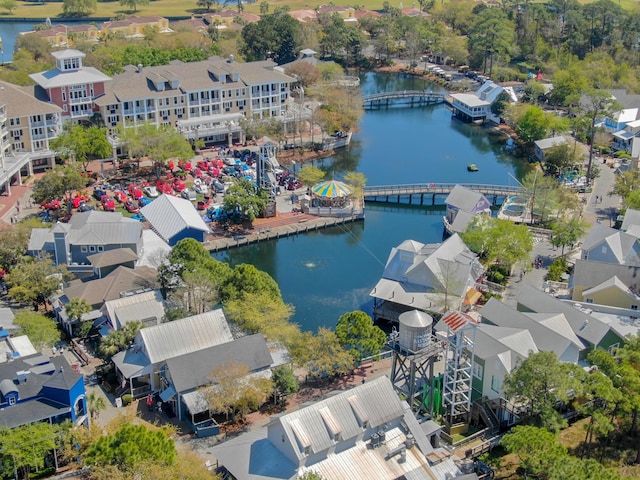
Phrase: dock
(405,98)
(275,228)
(429,191)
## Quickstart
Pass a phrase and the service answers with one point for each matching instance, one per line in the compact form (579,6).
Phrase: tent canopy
(332,189)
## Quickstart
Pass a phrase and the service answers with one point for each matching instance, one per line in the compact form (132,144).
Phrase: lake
(330,272)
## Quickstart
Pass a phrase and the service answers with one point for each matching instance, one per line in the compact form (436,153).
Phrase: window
(92,248)
(100,248)
(589,300)
(64,94)
(495,384)
(83,249)
(38,145)
(12,400)
(478,370)
(634,307)
(604,250)
(16,134)
(612,348)
(18,146)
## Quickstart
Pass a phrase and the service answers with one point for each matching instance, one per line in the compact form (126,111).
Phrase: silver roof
(468,200)
(631,218)
(55,78)
(141,307)
(103,228)
(169,215)
(187,335)
(547,143)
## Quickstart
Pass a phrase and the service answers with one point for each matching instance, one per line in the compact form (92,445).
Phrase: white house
(476,107)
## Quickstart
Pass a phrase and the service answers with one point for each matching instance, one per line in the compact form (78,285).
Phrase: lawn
(165,8)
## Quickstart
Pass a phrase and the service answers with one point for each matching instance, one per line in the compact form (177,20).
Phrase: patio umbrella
(332,189)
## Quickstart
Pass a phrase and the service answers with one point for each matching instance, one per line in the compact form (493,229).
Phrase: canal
(324,274)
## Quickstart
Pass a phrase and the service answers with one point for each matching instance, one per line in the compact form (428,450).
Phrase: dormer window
(69,64)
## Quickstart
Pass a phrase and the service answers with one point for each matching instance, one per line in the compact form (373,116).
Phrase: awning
(167,394)
(472,296)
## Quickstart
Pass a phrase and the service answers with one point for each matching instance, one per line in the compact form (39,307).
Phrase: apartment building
(204,100)
(71,86)
(28,123)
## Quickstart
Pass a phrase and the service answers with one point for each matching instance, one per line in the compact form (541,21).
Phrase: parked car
(178,186)
(108,204)
(134,191)
(188,194)
(85,207)
(217,185)
(150,191)
(131,207)
(98,193)
(120,196)
(204,204)
(201,188)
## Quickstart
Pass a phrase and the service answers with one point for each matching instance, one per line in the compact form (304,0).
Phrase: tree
(206,3)
(34,281)
(41,330)
(310,175)
(284,380)
(276,35)
(161,144)
(559,158)
(95,403)
(131,445)
(133,3)
(492,36)
(264,7)
(198,292)
(572,468)
(533,125)
(600,103)
(539,382)
(243,203)
(57,182)
(567,231)
(75,309)
(359,336)
(78,8)
(625,183)
(357,181)
(306,73)
(25,447)
(13,244)
(537,448)
(499,107)
(500,241)
(82,144)
(311,476)
(235,390)
(119,340)
(9,5)
(321,354)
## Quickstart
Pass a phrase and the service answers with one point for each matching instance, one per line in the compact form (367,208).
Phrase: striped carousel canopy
(332,189)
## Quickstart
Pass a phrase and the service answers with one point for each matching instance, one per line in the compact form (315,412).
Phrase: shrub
(126,399)
(557,268)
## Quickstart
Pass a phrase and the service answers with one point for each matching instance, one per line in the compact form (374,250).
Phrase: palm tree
(95,403)
(75,309)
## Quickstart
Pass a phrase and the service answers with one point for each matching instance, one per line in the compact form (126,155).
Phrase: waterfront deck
(393,193)
(405,98)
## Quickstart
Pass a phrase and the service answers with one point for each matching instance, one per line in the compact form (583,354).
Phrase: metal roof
(193,369)
(468,200)
(551,142)
(103,228)
(169,215)
(55,78)
(188,335)
(140,307)
(631,217)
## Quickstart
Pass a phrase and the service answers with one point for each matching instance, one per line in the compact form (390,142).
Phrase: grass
(165,8)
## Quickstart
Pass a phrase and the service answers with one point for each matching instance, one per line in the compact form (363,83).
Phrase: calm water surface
(327,273)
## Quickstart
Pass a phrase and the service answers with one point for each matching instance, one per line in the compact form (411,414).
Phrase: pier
(405,98)
(429,192)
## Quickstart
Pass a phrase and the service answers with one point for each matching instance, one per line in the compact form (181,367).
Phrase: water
(330,272)
(9,31)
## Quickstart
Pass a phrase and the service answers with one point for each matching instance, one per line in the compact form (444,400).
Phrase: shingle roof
(169,215)
(194,369)
(122,279)
(109,258)
(188,335)
(22,102)
(583,325)
(468,200)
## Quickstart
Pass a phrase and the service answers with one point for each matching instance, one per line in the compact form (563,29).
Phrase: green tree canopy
(284,380)
(131,445)
(310,175)
(321,354)
(25,447)
(78,8)
(160,144)
(497,240)
(82,144)
(34,281)
(41,330)
(359,336)
(276,35)
(243,203)
(57,182)
(133,4)
(567,231)
(537,448)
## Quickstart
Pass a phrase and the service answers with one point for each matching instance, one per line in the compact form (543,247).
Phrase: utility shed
(174,218)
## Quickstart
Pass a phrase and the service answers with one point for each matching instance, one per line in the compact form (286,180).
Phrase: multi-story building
(27,126)
(72,86)
(204,100)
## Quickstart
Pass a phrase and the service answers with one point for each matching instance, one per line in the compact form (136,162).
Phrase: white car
(150,191)
(201,188)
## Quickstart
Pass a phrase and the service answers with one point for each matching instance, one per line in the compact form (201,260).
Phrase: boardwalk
(407,98)
(393,193)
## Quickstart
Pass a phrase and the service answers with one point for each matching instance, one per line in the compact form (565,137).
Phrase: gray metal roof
(188,335)
(589,273)
(144,307)
(631,217)
(55,78)
(103,228)
(492,340)
(551,142)
(40,239)
(468,200)
(194,369)
(169,215)
(583,325)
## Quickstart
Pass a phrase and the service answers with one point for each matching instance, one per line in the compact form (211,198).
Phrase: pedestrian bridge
(393,193)
(410,98)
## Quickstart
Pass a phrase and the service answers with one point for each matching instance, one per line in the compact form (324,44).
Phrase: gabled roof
(467,200)
(188,335)
(546,143)
(611,282)
(117,256)
(491,340)
(622,245)
(583,325)
(194,369)
(148,307)
(588,273)
(169,215)
(105,228)
(22,102)
(122,279)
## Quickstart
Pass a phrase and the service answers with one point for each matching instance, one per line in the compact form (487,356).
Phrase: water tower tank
(415,330)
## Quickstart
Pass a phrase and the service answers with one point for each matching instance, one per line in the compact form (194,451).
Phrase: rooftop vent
(231,58)
(139,67)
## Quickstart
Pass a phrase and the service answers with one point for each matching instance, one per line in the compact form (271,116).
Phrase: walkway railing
(437,189)
(411,97)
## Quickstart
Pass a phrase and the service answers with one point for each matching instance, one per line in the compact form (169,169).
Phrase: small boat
(472,167)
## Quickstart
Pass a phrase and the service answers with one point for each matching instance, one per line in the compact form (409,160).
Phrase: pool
(514,210)
(518,200)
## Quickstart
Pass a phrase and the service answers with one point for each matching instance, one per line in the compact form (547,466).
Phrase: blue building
(174,218)
(38,388)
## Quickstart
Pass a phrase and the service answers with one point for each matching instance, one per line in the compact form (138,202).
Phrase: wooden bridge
(407,98)
(393,193)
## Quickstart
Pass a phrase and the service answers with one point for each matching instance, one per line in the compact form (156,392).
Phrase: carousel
(331,194)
